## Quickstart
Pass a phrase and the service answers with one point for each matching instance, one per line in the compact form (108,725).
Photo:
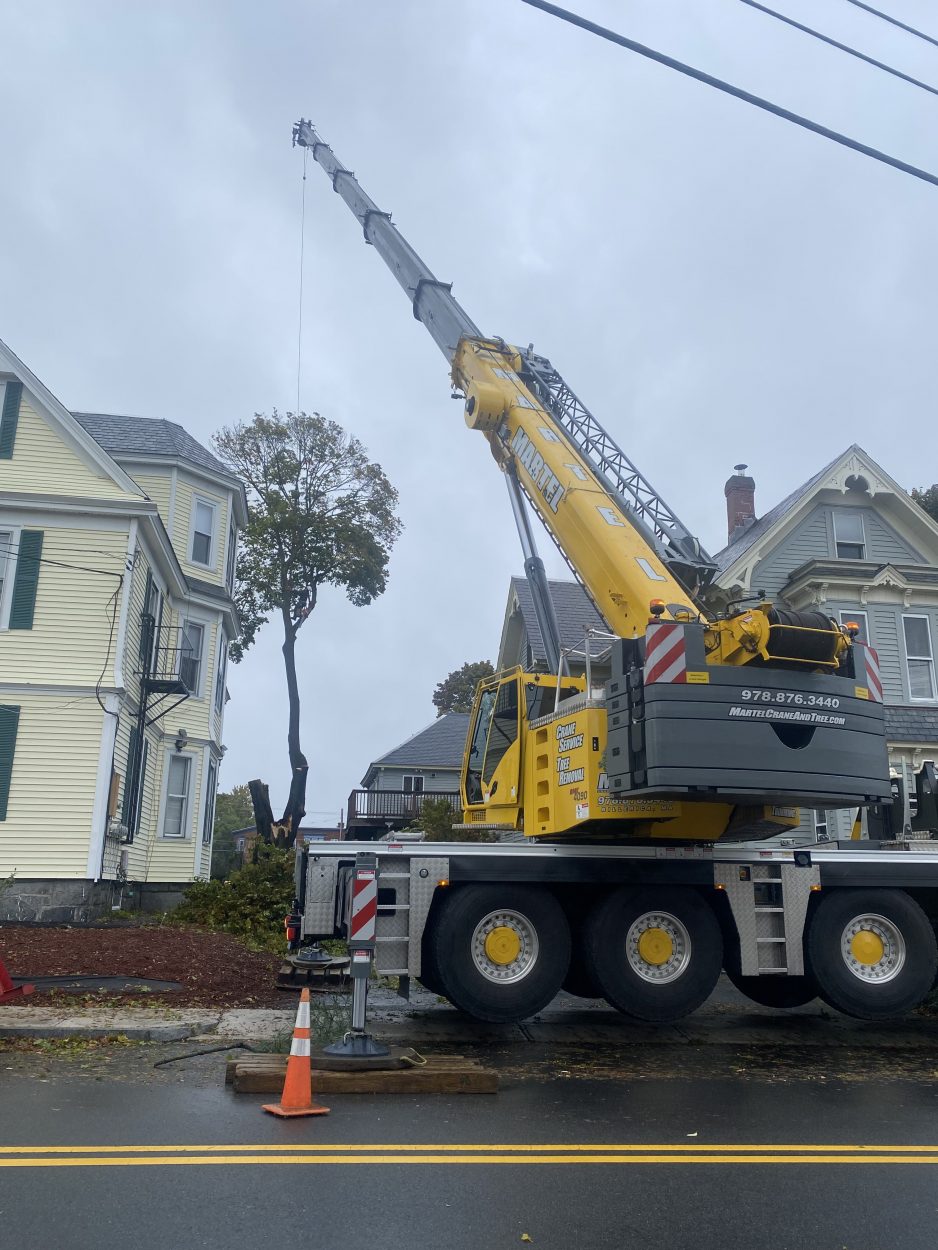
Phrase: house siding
(70,642)
(158,486)
(810,539)
(189,488)
(52,789)
(884,544)
(43,463)
(446,780)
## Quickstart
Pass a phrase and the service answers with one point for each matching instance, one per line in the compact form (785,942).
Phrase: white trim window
(858,618)
(202,534)
(221,672)
(849,539)
(178,786)
(190,657)
(920,666)
(208,817)
(7,569)
(821,830)
(412,783)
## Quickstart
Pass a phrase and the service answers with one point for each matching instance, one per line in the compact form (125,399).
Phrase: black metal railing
(394,807)
(168,662)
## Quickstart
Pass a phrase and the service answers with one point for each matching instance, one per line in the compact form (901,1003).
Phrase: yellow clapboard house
(118,538)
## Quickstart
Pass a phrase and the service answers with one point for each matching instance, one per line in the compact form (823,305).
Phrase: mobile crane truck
(640,870)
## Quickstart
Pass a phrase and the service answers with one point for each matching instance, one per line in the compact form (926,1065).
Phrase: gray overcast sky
(716,284)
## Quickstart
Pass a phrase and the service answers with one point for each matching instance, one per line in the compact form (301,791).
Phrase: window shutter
(9,721)
(128,780)
(26,580)
(8,419)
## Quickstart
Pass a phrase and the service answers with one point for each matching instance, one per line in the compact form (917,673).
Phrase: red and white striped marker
(874,678)
(364,906)
(665,653)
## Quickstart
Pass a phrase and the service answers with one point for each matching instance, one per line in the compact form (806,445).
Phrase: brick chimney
(740,492)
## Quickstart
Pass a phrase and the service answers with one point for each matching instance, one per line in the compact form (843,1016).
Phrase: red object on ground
(8,990)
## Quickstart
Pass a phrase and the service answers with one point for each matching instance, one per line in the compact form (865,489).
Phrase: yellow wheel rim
(867,947)
(502,945)
(655,947)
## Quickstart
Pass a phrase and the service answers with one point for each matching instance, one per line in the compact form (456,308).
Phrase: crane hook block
(485,406)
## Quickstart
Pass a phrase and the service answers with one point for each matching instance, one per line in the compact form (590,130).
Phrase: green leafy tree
(456,691)
(233,810)
(927,499)
(437,818)
(320,513)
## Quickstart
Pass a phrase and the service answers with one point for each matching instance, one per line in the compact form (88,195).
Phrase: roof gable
(52,419)
(736,561)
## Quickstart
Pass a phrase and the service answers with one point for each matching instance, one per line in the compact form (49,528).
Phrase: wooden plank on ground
(446,1074)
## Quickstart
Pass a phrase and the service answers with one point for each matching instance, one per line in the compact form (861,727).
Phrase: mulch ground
(215,969)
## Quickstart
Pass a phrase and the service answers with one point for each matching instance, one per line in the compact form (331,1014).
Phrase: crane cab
(496,747)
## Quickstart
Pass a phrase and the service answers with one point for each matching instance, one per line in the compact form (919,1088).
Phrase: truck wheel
(501,951)
(776,991)
(872,952)
(656,953)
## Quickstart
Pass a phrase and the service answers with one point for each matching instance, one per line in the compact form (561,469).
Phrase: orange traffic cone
(297,1096)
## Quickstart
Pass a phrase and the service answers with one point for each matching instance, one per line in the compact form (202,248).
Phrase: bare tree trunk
(296,803)
(263,816)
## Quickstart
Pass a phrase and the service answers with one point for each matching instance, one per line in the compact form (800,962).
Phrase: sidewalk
(727,1019)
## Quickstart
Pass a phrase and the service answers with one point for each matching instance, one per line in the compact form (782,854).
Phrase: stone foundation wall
(82,902)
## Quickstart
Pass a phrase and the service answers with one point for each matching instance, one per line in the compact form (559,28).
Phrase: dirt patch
(214,969)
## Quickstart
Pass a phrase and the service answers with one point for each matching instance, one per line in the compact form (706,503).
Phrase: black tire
(776,991)
(430,976)
(470,979)
(904,974)
(635,987)
(580,980)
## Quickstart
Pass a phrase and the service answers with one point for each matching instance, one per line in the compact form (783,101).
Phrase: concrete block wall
(83,902)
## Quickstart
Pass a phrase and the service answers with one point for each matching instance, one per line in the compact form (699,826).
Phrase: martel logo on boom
(539,473)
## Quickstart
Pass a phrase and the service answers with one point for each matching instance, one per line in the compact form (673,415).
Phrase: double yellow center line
(436,1153)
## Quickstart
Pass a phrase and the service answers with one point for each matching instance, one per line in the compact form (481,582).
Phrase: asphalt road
(811,1164)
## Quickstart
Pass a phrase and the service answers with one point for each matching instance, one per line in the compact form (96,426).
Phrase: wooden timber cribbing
(441,1074)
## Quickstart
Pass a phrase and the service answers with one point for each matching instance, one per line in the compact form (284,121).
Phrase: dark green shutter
(26,579)
(9,721)
(9,417)
(128,779)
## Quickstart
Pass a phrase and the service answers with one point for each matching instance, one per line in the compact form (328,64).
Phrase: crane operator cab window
(496,728)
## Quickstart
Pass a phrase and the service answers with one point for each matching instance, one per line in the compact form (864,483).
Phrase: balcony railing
(168,663)
(393,808)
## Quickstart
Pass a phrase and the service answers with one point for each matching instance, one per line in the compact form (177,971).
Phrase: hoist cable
(299,333)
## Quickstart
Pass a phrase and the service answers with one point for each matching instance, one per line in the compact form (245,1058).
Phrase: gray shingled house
(398,783)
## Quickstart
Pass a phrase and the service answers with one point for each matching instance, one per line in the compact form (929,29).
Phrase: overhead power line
(835,43)
(894,21)
(682,68)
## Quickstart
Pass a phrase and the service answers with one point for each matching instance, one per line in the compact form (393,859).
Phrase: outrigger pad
(398,1057)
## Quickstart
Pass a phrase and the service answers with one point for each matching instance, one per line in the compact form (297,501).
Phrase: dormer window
(849,539)
(202,543)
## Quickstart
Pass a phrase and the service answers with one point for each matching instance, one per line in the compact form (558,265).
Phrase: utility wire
(7,550)
(834,43)
(786,115)
(894,21)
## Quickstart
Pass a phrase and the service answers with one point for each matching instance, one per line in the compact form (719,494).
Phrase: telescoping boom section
(709,724)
